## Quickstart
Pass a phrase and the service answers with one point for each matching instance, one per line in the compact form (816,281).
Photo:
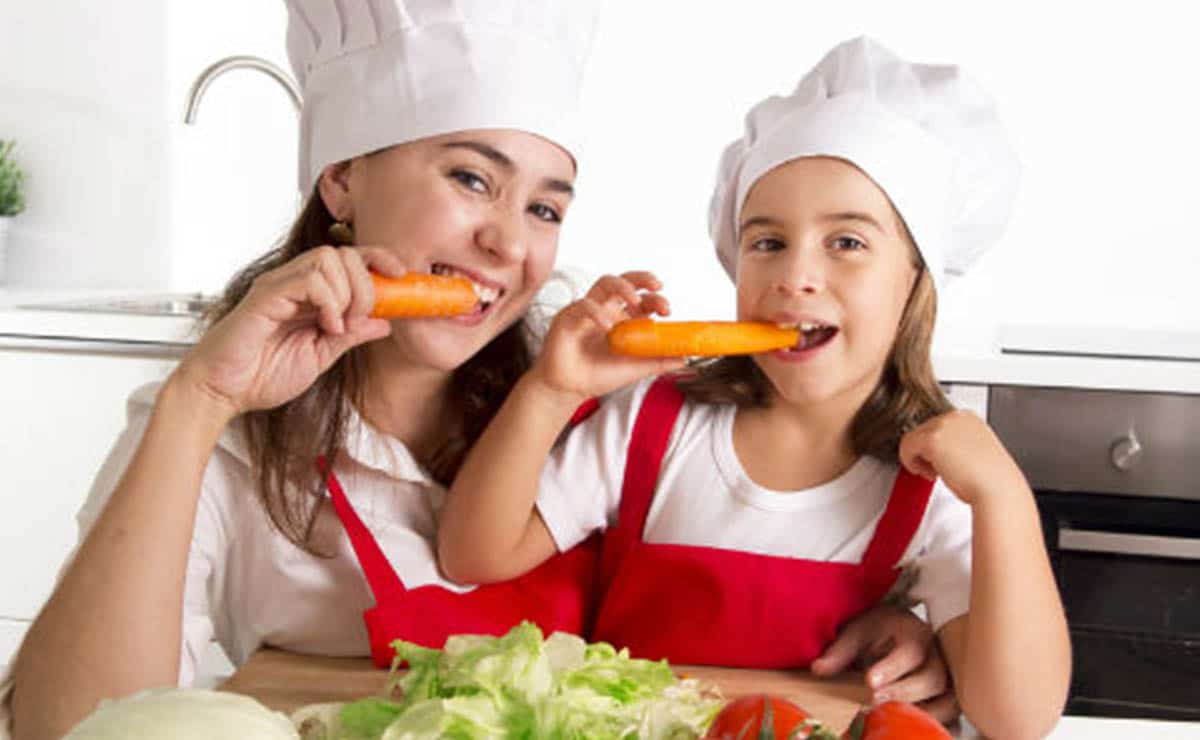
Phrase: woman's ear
(334,186)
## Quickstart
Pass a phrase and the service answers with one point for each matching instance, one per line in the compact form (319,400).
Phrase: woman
(435,138)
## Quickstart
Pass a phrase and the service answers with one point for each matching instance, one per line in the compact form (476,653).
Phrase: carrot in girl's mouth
(644,337)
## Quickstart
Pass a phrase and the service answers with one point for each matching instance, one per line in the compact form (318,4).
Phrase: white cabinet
(62,405)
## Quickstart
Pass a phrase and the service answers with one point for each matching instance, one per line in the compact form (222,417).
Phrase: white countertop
(982,364)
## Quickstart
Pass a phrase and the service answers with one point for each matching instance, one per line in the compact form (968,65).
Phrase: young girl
(752,505)
(424,147)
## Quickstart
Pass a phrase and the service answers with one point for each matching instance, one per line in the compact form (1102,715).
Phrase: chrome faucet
(221,66)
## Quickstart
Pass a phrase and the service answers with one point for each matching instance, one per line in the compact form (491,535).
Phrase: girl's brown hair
(907,393)
(285,441)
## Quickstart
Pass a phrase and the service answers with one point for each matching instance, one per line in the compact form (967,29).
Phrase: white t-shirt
(704,497)
(247,586)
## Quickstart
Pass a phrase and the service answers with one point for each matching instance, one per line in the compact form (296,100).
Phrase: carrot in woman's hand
(422,295)
(643,337)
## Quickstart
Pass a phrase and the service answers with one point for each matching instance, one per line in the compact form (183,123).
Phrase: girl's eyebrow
(505,162)
(859,216)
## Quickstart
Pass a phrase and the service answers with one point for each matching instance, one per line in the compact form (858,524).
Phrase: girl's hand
(901,659)
(963,450)
(576,361)
(291,326)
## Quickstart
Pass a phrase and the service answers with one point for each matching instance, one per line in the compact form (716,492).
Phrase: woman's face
(820,246)
(485,204)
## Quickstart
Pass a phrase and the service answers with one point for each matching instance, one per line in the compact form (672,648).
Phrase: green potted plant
(12,194)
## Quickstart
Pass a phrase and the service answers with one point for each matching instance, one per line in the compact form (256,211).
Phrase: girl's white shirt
(247,586)
(704,497)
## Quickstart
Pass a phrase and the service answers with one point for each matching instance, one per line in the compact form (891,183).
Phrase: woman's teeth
(486,293)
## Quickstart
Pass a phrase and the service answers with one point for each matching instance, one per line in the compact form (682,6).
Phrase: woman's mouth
(488,291)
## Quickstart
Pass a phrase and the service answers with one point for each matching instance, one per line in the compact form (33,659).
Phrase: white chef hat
(926,135)
(380,72)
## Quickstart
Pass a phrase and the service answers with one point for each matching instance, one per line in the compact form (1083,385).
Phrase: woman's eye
(546,213)
(848,244)
(766,245)
(470,180)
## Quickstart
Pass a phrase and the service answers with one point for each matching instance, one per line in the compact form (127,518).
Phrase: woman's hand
(963,450)
(904,661)
(291,326)
(576,361)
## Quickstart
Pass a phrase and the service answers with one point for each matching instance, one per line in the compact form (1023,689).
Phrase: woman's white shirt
(247,586)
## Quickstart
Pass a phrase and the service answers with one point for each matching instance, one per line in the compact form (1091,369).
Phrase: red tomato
(761,717)
(894,720)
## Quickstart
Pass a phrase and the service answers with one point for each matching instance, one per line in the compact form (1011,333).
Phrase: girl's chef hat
(926,135)
(380,72)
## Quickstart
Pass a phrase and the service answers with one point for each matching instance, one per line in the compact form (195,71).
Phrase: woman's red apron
(559,595)
(710,606)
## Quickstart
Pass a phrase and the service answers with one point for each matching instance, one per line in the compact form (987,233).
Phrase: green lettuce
(524,687)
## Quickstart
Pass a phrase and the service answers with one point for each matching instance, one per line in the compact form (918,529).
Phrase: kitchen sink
(166,304)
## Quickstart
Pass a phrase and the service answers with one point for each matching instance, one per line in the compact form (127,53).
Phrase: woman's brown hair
(285,442)
(907,393)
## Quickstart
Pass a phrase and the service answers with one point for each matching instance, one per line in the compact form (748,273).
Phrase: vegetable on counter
(762,717)
(183,714)
(422,295)
(894,720)
(644,337)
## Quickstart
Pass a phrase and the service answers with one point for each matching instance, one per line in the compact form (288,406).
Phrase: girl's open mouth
(813,336)
(488,293)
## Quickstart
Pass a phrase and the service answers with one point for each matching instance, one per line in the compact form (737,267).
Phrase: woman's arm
(1010,655)
(489,529)
(113,624)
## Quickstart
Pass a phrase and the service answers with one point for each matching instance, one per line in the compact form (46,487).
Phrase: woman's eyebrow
(505,162)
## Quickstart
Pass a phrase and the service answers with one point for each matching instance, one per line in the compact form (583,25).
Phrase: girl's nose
(804,273)
(501,236)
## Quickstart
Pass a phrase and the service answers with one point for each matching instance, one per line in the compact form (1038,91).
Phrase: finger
(905,657)
(652,303)
(329,262)
(642,280)
(359,330)
(944,708)
(615,293)
(383,261)
(920,685)
(362,289)
(318,293)
(587,309)
(850,643)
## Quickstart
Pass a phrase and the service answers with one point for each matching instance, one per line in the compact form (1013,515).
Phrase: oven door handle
(1151,545)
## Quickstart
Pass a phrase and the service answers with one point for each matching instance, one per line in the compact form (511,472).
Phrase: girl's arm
(1010,655)
(489,530)
(113,624)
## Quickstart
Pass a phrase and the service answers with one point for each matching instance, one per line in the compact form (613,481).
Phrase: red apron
(558,595)
(709,606)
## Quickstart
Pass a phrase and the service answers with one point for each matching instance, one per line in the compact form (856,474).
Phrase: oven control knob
(1125,452)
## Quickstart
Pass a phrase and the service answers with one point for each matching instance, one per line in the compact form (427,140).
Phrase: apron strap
(643,458)
(382,578)
(905,509)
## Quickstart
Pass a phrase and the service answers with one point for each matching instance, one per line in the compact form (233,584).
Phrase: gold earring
(341,233)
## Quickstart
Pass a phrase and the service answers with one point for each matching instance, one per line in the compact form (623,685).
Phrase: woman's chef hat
(380,72)
(926,135)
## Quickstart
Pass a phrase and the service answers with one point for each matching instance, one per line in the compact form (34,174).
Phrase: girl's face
(484,204)
(820,246)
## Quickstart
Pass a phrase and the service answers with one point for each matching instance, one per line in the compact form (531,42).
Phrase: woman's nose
(502,236)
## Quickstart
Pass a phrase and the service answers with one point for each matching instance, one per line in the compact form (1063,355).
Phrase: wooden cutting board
(286,681)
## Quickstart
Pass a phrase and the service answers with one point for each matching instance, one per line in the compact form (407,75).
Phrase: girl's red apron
(559,595)
(709,606)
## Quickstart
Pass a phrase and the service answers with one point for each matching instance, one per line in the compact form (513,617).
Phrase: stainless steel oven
(1116,475)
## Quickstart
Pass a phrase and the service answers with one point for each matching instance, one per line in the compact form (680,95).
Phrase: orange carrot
(646,338)
(422,295)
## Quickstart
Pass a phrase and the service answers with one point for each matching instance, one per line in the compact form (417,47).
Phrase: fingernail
(882,696)
(875,678)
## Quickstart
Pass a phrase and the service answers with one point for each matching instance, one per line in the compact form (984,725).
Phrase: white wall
(1099,98)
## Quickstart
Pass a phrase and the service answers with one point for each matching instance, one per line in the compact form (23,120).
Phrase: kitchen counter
(72,327)
(285,681)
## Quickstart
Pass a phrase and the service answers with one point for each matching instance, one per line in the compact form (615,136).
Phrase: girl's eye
(545,213)
(848,244)
(766,244)
(470,180)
